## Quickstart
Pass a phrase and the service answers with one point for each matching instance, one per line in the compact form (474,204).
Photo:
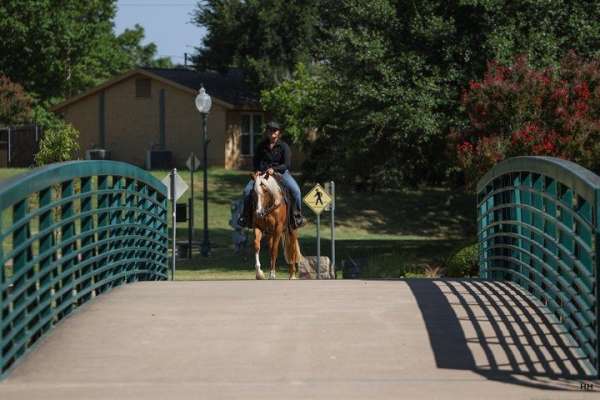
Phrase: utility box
(181,210)
(97,154)
(158,159)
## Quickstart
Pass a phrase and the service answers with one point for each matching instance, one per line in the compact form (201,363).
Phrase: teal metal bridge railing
(539,227)
(69,232)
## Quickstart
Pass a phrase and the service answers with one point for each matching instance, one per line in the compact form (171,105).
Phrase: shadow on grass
(379,258)
(498,331)
(427,212)
(392,232)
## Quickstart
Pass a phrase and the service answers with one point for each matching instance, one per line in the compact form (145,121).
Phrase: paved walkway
(304,339)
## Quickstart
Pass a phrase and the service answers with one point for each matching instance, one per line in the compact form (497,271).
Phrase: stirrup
(242,222)
(299,221)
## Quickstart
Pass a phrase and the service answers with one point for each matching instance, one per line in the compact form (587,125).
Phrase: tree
(50,40)
(15,104)
(518,110)
(266,38)
(133,53)
(291,103)
(388,74)
(379,105)
(59,48)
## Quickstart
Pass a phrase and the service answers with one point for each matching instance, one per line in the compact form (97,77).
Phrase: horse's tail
(291,247)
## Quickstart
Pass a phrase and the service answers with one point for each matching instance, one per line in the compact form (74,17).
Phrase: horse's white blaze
(271,186)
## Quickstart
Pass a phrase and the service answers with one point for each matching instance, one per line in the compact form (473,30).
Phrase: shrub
(59,141)
(464,263)
(15,104)
(518,110)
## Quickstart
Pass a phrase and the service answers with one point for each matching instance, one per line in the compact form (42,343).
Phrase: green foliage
(464,263)
(290,102)
(51,42)
(59,141)
(15,104)
(519,110)
(59,48)
(389,73)
(378,109)
(267,38)
(132,53)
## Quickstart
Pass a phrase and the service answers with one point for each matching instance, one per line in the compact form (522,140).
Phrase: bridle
(271,208)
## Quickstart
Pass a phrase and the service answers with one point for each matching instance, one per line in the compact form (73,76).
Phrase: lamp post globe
(203,103)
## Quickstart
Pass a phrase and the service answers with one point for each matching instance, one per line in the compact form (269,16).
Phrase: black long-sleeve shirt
(279,157)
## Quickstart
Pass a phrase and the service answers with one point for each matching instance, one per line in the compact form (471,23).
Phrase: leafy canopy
(58,48)
(381,80)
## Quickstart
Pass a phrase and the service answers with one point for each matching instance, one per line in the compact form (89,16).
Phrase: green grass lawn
(391,234)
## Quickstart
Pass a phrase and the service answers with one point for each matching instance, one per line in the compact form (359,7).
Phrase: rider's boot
(299,220)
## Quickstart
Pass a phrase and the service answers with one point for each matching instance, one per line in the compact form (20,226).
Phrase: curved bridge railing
(69,232)
(538,227)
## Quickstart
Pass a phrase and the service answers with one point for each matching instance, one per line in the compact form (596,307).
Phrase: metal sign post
(318,246)
(332,207)
(174,208)
(318,199)
(193,164)
(176,187)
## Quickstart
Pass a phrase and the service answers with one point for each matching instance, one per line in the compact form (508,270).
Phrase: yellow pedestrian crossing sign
(317,199)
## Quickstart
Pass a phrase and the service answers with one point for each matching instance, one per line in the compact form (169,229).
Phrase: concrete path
(303,340)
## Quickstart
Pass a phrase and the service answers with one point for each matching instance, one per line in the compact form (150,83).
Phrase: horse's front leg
(274,250)
(257,239)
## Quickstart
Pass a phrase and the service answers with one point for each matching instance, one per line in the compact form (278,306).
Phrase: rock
(307,268)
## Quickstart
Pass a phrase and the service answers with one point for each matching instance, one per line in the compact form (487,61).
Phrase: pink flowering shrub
(518,110)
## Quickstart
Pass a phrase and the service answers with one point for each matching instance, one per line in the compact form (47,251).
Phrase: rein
(271,208)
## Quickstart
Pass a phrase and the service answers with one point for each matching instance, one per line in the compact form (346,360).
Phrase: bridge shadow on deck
(496,330)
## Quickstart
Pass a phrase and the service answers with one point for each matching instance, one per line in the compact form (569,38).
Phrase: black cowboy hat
(273,125)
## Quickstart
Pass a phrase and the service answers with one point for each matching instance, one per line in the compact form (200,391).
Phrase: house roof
(227,89)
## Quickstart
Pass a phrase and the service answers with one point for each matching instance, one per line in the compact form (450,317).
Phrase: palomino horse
(271,219)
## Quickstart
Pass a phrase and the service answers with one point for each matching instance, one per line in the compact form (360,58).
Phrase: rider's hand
(270,171)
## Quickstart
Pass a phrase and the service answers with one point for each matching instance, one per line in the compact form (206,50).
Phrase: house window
(142,87)
(251,132)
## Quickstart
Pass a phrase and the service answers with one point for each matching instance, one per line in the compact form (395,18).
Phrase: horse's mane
(272,187)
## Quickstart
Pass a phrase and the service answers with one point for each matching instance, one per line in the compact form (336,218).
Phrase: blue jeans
(289,182)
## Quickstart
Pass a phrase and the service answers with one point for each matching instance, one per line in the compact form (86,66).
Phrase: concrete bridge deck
(305,339)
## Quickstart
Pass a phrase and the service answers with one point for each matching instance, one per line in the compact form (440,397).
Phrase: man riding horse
(273,155)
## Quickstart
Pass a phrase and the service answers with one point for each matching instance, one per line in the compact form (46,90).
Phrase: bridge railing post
(539,228)
(76,230)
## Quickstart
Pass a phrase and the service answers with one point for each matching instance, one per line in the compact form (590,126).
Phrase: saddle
(288,199)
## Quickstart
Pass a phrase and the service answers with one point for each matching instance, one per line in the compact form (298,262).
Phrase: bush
(464,263)
(15,104)
(59,141)
(521,111)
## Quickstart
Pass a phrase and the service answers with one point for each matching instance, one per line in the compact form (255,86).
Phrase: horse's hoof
(272,276)
(293,278)
(260,276)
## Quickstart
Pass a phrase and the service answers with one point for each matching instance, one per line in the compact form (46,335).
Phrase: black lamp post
(203,103)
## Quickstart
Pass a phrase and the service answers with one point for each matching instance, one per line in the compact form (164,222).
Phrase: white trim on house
(250,130)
